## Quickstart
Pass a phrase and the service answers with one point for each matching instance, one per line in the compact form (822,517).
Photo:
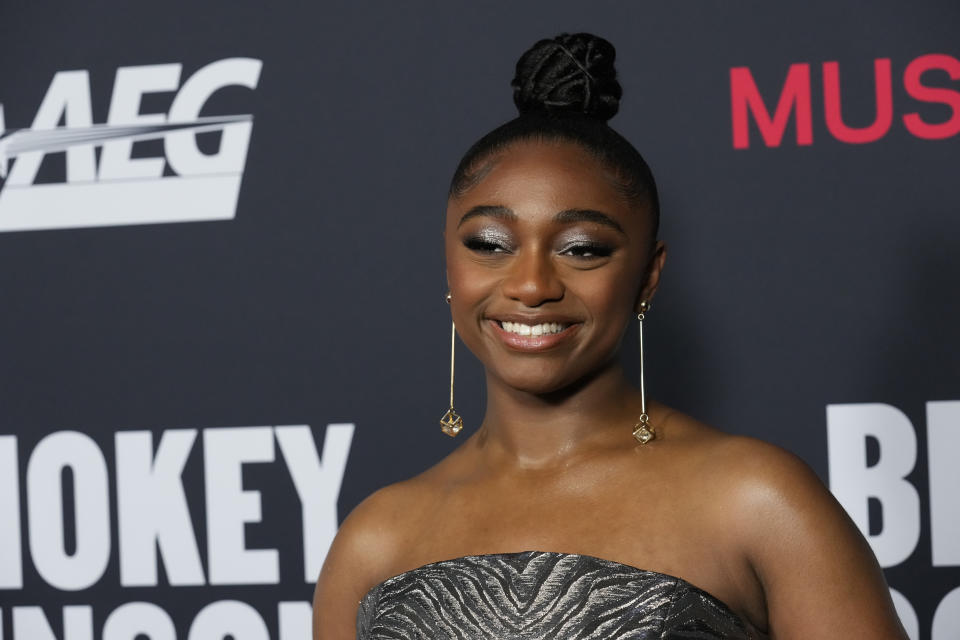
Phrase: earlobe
(652,281)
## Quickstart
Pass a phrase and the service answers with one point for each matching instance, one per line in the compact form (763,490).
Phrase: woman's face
(546,262)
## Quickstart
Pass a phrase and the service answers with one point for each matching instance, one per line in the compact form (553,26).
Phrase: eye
(483,245)
(587,250)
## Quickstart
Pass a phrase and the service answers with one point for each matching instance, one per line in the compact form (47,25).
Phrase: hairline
(492,157)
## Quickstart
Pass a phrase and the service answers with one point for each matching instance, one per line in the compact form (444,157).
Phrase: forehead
(543,177)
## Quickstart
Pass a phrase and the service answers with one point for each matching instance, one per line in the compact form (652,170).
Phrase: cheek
(607,293)
(467,279)
(471,287)
(610,303)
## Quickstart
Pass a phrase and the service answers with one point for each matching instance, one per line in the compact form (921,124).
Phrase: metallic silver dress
(537,595)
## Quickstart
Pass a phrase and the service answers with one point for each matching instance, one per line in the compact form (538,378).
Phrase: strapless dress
(538,595)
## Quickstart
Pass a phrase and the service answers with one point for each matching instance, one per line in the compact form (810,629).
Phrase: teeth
(533,330)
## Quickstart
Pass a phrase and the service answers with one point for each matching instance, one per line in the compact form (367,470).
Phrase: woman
(577,510)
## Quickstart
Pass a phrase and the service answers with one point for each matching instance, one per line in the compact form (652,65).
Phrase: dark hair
(566,89)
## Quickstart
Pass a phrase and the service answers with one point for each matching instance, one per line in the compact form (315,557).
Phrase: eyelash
(484,246)
(597,250)
(578,250)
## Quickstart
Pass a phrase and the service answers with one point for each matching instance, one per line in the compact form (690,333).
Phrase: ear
(446,271)
(654,269)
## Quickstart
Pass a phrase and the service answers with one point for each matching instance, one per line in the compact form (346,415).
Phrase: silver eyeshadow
(493,238)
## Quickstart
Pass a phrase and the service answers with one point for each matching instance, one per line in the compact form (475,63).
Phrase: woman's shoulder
(376,527)
(750,483)
(790,530)
(773,499)
(365,551)
(371,541)
(794,534)
(740,462)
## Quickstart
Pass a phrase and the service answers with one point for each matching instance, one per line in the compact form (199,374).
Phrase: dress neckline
(512,554)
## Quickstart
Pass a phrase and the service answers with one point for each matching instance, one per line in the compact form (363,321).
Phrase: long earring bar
(451,423)
(643,430)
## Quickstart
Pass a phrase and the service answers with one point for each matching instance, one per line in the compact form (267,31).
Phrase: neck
(539,431)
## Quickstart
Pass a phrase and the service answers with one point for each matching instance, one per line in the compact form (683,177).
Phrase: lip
(532,344)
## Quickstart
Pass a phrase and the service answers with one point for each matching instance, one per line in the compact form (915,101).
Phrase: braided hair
(565,90)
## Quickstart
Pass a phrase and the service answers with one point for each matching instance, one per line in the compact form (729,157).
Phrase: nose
(533,279)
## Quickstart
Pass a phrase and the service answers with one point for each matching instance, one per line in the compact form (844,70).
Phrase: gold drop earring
(643,430)
(451,423)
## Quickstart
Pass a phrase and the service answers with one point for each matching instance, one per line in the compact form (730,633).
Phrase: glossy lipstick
(533,343)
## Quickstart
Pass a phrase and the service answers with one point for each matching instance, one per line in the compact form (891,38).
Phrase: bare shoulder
(372,536)
(363,552)
(819,576)
(747,472)
(761,473)
(369,535)
(780,503)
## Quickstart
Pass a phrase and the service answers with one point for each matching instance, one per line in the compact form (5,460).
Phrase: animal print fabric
(536,595)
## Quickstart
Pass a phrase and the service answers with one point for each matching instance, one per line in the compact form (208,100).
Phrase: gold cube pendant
(451,423)
(643,434)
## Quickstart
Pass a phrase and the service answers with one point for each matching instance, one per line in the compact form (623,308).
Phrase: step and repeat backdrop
(221,278)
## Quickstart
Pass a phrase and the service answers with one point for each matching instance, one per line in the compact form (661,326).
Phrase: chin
(539,383)
(545,377)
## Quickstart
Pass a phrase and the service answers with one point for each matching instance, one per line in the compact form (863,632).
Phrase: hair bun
(569,74)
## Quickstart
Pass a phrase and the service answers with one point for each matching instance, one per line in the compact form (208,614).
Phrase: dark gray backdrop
(798,276)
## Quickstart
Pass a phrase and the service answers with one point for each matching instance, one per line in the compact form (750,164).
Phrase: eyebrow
(566,216)
(588,215)
(490,211)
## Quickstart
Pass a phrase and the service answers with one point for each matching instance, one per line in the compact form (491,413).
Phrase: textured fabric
(536,595)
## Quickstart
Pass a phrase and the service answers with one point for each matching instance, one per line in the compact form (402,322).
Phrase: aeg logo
(120,189)
(745,99)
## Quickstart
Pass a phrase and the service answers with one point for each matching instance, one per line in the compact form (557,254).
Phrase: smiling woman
(552,520)
(546,238)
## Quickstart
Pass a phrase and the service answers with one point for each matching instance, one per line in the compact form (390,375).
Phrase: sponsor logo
(121,542)
(872,452)
(186,185)
(923,81)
